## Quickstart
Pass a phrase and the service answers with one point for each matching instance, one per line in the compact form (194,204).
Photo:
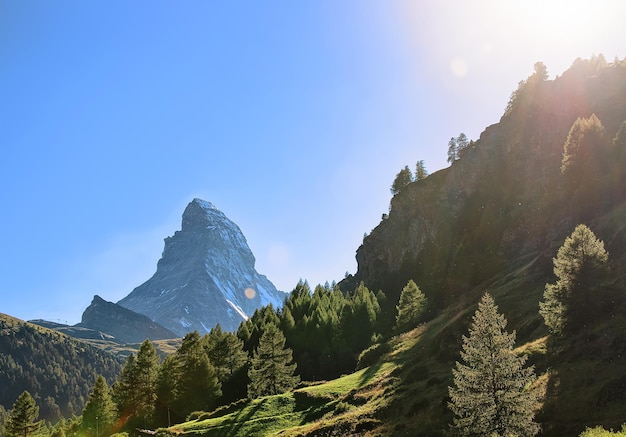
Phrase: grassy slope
(405,393)
(298,412)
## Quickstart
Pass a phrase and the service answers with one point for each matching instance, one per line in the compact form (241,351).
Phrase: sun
(565,21)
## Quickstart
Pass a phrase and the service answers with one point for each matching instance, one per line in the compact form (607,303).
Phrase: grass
(295,412)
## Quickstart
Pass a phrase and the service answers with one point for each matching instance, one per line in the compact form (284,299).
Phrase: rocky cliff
(116,323)
(505,200)
(206,276)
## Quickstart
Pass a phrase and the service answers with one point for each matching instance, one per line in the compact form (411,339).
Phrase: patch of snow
(184,323)
(186,309)
(205,328)
(238,309)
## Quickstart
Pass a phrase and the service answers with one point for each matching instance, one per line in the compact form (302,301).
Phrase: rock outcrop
(116,323)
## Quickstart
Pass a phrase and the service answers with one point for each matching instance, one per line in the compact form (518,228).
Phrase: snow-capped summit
(205,276)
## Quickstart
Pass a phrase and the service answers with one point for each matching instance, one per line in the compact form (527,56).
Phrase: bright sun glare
(566,21)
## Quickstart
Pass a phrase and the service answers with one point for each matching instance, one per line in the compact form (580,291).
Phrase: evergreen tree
(492,393)
(271,372)
(462,143)
(3,418)
(22,420)
(147,364)
(225,352)
(452,150)
(420,170)
(99,412)
(585,136)
(123,391)
(411,307)
(167,392)
(579,266)
(403,178)
(135,392)
(197,386)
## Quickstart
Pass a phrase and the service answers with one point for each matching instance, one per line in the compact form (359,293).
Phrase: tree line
(317,334)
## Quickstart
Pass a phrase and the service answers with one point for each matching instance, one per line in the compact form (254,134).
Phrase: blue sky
(291,117)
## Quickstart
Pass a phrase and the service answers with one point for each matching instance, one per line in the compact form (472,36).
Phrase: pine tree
(584,138)
(403,178)
(197,386)
(579,266)
(225,352)
(420,170)
(147,365)
(453,154)
(135,392)
(22,420)
(411,307)
(493,392)
(99,412)
(271,372)
(123,391)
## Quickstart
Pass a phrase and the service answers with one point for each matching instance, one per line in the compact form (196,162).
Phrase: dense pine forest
(488,301)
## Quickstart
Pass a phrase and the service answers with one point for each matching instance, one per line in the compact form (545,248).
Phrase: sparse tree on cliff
(403,178)
(420,170)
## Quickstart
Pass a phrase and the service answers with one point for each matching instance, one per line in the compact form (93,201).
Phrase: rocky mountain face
(506,201)
(206,276)
(125,326)
(108,321)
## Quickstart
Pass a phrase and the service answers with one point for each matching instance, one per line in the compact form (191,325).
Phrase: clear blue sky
(292,117)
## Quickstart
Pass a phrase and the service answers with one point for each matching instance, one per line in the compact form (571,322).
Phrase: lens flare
(250,293)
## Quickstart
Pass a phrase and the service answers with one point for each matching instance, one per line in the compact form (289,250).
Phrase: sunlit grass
(269,415)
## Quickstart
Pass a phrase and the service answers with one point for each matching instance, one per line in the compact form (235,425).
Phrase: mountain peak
(202,214)
(205,276)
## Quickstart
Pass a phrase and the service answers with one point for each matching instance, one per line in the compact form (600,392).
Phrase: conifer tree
(584,140)
(403,178)
(147,364)
(493,392)
(271,371)
(453,154)
(99,412)
(420,170)
(22,420)
(411,307)
(197,385)
(578,266)
(123,391)
(135,391)
(225,352)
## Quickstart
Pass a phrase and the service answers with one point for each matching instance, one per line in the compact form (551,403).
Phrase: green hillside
(57,370)
(491,222)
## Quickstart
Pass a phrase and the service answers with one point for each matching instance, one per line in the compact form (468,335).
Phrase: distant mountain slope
(205,276)
(57,370)
(124,325)
(110,322)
